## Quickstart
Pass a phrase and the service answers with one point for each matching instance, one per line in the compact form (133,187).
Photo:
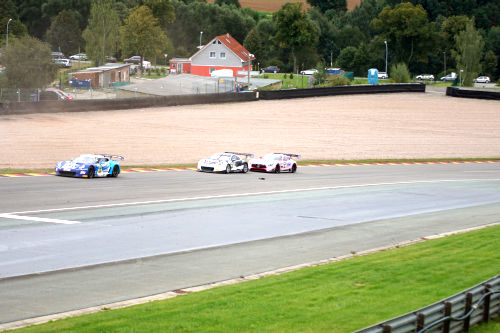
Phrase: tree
(64,34)
(468,54)
(324,5)
(102,35)
(490,63)
(345,59)
(253,44)
(163,10)
(234,3)
(8,10)
(409,34)
(400,73)
(28,63)
(294,30)
(141,34)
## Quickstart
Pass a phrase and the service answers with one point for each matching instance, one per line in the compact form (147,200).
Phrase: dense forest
(429,36)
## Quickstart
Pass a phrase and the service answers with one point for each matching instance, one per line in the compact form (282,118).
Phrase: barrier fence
(454,314)
(20,107)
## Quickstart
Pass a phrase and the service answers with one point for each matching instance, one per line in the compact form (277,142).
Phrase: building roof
(232,44)
(103,68)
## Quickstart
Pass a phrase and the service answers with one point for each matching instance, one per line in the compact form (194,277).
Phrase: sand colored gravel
(404,125)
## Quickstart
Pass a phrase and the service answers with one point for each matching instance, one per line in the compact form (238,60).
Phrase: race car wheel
(115,172)
(294,168)
(245,168)
(228,168)
(277,169)
(90,172)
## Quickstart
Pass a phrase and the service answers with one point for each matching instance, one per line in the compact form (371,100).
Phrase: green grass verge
(300,162)
(337,297)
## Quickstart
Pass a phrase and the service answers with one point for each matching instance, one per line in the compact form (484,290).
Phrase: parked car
(482,79)
(425,77)
(383,75)
(79,56)
(225,162)
(90,166)
(309,72)
(57,55)
(110,59)
(63,62)
(271,69)
(450,77)
(133,60)
(53,94)
(275,162)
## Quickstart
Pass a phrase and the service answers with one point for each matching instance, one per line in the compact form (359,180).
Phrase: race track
(68,243)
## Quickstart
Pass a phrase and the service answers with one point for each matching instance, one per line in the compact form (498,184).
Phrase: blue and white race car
(90,166)
(225,162)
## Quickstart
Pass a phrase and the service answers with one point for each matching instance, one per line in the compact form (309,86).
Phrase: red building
(222,52)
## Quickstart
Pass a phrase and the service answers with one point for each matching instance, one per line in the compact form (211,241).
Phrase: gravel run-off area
(398,125)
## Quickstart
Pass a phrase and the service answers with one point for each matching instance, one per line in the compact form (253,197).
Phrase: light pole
(444,54)
(460,82)
(249,63)
(201,34)
(7,41)
(385,42)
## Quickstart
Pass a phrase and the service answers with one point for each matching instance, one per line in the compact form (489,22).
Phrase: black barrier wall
(160,101)
(343,90)
(466,93)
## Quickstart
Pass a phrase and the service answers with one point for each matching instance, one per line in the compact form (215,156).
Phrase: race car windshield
(272,157)
(219,156)
(85,159)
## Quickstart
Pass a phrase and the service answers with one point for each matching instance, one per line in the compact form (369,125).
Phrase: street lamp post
(444,54)
(385,42)
(201,34)
(249,63)
(7,40)
(460,83)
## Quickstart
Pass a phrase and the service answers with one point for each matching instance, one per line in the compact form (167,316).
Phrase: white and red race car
(274,162)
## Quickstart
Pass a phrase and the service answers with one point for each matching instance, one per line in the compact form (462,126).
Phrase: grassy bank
(300,162)
(337,297)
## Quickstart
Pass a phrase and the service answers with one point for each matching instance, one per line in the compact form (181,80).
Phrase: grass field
(337,297)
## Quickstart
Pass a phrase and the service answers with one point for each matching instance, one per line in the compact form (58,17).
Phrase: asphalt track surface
(68,244)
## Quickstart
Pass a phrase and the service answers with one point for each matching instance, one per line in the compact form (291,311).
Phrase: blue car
(90,166)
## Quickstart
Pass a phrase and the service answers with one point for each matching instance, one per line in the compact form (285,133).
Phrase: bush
(284,76)
(338,80)
(291,75)
(400,73)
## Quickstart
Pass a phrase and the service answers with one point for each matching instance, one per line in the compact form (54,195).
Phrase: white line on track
(243,195)
(36,219)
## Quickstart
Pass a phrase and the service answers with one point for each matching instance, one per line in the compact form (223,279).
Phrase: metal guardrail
(454,314)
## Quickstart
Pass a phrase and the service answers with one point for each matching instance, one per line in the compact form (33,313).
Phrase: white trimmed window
(223,55)
(212,54)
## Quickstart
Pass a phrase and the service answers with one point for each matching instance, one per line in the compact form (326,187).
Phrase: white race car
(275,162)
(225,162)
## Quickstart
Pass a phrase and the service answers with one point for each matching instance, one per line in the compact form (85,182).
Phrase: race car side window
(235,158)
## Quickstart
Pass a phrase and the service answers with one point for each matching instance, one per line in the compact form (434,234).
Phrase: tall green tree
(102,35)
(409,34)
(64,34)
(28,63)
(141,35)
(163,10)
(468,54)
(451,27)
(294,30)
(8,10)
(324,5)
(234,3)
(253,43)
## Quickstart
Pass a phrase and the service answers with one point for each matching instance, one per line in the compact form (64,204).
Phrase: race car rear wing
(291,155)
(247,155)
(117,157)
